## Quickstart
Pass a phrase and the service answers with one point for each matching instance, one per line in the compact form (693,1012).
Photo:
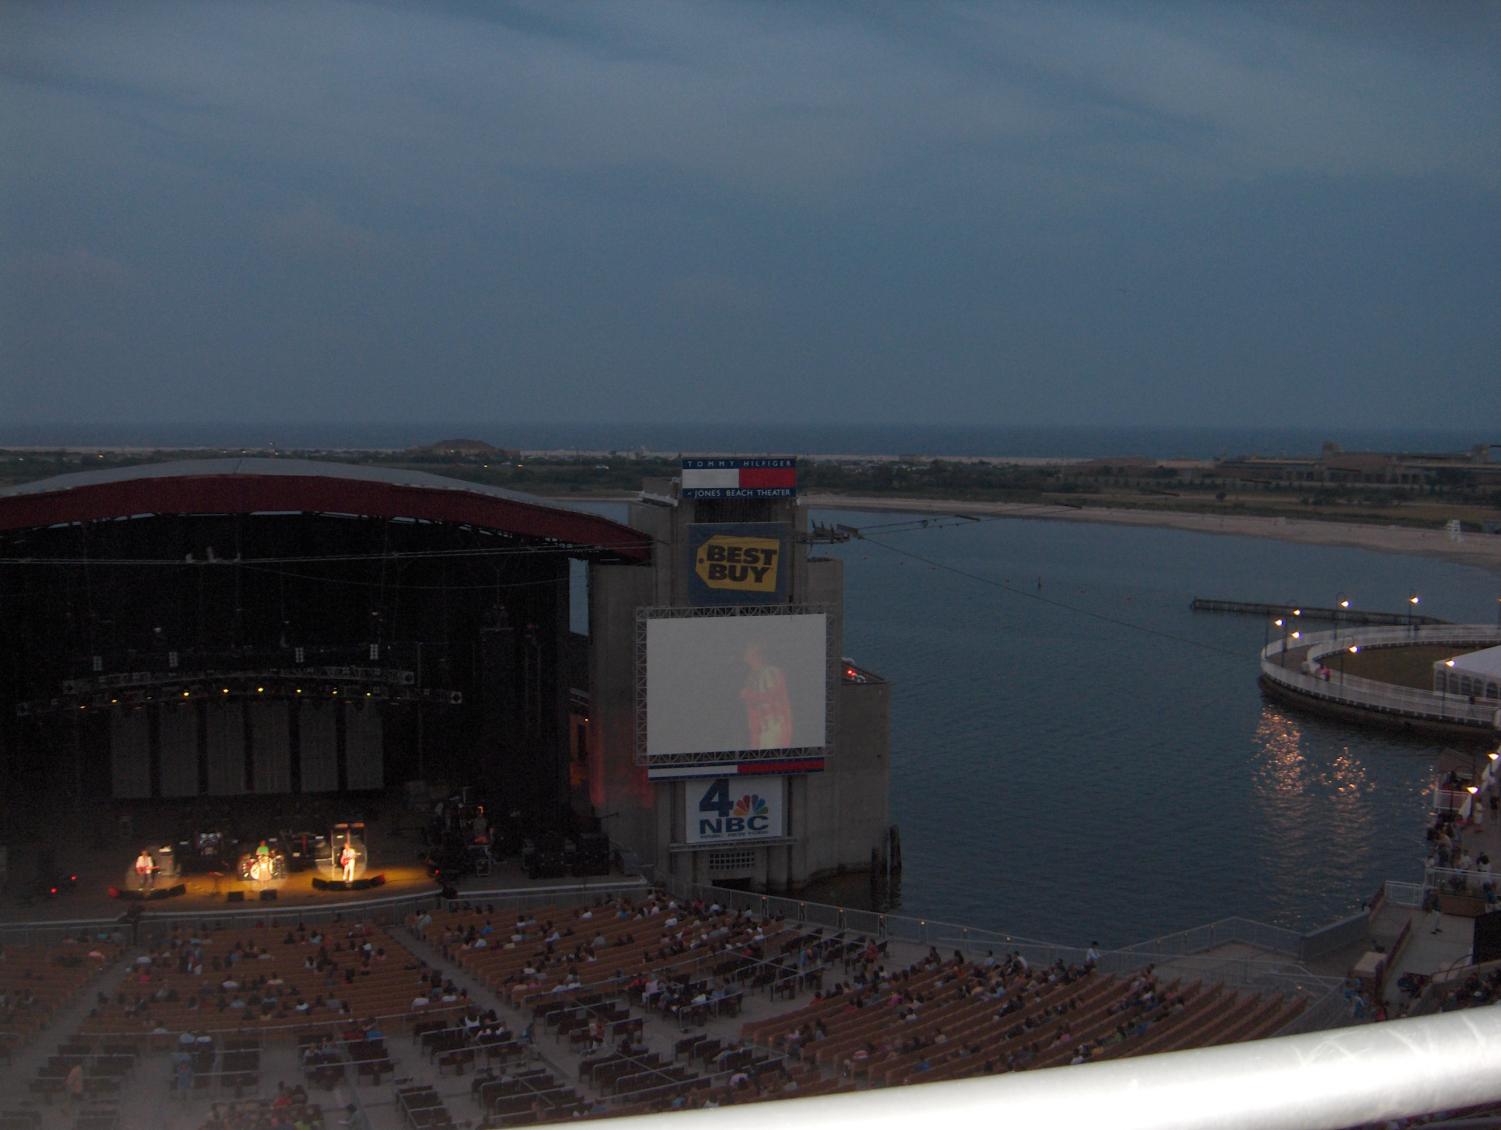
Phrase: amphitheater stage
(106,885)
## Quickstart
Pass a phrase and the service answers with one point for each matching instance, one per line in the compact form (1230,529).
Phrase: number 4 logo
(716,799)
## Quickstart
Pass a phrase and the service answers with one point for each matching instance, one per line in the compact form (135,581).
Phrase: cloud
(819,189)
(710,293)
(74,269)
(311,229)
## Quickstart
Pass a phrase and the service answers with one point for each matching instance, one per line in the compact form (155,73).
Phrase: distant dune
(1483,550)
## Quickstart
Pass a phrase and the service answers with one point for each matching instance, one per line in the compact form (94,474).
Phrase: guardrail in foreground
(1319,1081)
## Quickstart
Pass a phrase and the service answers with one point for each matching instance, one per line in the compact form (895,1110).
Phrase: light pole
(1341,604)
(1353,649)
(1412,610)
(1284,623)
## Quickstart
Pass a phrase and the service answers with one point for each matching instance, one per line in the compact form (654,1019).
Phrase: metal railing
(388,911)
(1450,880)
(1248,931)
(1319,1081)
(1404,894)
(1180,948)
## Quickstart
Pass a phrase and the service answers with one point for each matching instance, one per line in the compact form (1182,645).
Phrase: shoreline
(1480,550)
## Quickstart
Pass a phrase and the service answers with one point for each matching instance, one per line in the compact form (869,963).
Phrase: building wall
(619,791)
(835,818)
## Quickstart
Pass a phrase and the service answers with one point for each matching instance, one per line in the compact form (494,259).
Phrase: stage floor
(395,851)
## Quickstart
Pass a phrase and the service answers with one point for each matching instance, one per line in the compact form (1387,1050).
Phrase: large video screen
(718,683)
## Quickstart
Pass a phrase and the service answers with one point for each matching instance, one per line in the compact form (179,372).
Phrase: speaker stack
(1485,940)
(593,854)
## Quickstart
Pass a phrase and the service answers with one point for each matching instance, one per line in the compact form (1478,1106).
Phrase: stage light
(299,690)
(224,691)
(185,694)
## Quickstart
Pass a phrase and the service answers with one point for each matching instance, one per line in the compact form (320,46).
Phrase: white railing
(1353,690)
(1225,930)
(1455,881)
(1319,1081)
(1400,893)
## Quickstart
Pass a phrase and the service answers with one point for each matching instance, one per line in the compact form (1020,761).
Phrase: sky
(1002,214)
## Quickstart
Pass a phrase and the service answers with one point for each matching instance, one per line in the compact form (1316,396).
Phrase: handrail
(381,908)
(1317,1081)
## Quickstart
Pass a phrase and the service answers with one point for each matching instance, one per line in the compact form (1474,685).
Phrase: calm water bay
(1093,760)
(1064,777)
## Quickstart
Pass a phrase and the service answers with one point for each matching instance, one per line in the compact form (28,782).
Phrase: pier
(1309,612)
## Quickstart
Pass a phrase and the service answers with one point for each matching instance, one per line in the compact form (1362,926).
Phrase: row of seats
(37,980)
(941,1020)
(377,988)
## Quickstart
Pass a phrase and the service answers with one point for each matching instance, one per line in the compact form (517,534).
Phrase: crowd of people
(244,979)
(288,1109)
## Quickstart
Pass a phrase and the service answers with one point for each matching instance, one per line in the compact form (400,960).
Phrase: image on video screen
(725,683)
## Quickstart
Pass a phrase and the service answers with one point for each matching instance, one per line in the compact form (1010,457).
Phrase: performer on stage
(262,862)
(144,868)
(346,861)
(768,712)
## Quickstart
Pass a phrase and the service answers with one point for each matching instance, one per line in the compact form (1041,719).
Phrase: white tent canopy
(1477,673)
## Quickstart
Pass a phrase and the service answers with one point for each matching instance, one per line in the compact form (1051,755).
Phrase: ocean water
(1077,755)
(780,438)
(1090,759)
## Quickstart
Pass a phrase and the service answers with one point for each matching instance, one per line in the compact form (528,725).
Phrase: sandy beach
(1483,550)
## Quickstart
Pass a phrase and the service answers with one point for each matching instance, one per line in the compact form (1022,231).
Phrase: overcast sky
(985,214)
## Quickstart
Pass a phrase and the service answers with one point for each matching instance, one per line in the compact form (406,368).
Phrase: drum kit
(256,868)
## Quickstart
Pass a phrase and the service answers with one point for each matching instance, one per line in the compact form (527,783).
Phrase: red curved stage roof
(261,486)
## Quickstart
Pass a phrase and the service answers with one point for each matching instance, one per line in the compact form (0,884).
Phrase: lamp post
(1341,604)
(1353,649)
(1412,610)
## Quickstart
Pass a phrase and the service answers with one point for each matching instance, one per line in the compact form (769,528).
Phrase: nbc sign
(723,810)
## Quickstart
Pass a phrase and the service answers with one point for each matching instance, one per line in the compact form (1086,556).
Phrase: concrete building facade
(834,804)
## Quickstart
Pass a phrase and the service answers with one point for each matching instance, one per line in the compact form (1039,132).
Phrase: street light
(1412,609)
(1341,604)
(1353,649)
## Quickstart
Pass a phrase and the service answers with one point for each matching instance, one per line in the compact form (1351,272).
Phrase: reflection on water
(1283,767)
(1319,804)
